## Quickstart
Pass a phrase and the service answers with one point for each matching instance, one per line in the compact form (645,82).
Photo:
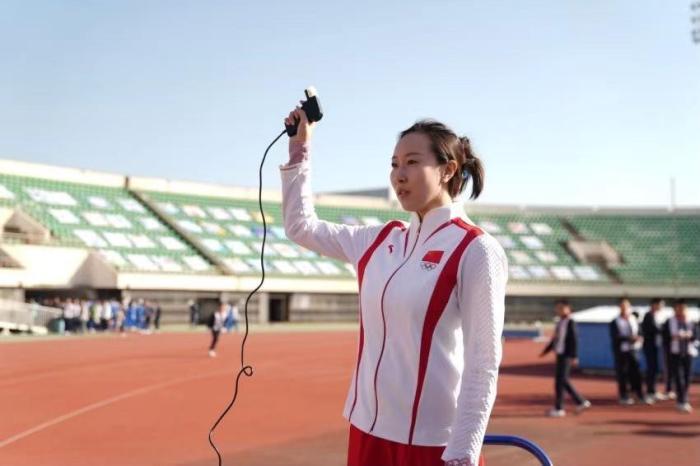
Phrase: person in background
(131,321)
(68,315)
(564,343)
(140,315)
(105,315)
(94,312)
(120,318)
(84,315)
(115,323)
(148,315)
(626,341)
(232,317)
(156,315)
(652,346)
(194,312)
(669,383)
(682,337)
(216,323)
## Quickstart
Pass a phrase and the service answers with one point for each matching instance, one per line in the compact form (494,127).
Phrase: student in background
(147,315)
(156,315)
(216,323)
(653,343)
(194,312)
(681,335)
(626,341)
(232,317)
(105,315)
(564,343)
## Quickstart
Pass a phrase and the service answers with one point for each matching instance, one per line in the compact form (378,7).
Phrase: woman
(431,298)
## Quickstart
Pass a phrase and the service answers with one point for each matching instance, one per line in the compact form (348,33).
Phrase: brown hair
(446,146)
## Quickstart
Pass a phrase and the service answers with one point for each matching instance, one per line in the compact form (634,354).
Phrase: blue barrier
(519,442)
(529,333)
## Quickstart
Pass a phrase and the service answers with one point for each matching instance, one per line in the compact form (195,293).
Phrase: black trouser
(669,375)
(214,338)
(680,367)
(562,383)
(651,356)
(627,371)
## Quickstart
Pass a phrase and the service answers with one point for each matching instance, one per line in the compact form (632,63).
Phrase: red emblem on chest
(431,260)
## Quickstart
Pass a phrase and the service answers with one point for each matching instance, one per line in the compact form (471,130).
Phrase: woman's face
(420,183)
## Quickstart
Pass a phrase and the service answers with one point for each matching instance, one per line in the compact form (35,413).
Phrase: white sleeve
(481,294)
(301,224)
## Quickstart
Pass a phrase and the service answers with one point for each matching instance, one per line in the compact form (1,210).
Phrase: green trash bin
(57,325)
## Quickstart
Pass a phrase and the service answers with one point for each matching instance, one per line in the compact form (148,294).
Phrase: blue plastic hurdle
(519,442)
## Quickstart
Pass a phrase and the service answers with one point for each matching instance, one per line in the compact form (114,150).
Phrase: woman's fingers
(296,115)
(290,118)
(301,115)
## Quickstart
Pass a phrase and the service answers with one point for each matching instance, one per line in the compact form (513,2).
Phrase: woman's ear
(449,171)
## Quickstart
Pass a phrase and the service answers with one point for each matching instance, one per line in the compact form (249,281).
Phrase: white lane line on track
(139,391)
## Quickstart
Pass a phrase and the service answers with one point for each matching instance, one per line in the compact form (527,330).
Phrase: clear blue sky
(586,102)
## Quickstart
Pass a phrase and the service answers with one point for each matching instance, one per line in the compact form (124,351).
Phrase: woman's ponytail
(471,167)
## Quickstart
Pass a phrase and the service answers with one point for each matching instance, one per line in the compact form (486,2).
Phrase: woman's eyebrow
(407,155)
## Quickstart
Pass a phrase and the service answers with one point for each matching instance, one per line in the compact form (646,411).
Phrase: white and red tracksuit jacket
(431,316)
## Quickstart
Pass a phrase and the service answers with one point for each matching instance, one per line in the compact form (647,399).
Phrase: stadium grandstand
(75,233)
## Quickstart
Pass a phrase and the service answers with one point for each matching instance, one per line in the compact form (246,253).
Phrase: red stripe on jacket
(438,301)
(361,266)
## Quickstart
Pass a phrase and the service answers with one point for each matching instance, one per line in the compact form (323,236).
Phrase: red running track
(151,399)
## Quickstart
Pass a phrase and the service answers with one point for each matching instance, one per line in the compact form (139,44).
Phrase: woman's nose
(401,175)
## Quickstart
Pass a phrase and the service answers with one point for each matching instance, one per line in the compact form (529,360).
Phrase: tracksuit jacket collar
(434,219)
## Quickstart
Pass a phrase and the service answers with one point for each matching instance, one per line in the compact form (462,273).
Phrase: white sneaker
(583,406)
(212,353)
(626,401)
(684,408)
(671,395)
(556,412)
(649,400)
(660,396)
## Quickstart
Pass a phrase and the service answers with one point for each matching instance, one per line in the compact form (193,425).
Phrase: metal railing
(22,316)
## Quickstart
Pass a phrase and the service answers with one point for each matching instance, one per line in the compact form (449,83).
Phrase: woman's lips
(401,193)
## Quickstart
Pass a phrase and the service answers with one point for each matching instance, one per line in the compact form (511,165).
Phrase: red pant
(367,450)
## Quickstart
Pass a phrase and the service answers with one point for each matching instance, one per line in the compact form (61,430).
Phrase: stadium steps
(91,216)
(656,249)
(193,241)
(230,229)
(612,275)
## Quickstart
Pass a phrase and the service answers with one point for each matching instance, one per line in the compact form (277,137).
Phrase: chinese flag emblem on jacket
(431,260)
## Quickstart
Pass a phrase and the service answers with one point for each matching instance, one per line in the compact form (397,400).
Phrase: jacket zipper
(381,353)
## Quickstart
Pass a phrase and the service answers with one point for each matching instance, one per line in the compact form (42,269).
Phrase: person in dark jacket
(626,341)
(215,324)
(564,343)
(156,318)
(194,312)
(652,346)
(682,337)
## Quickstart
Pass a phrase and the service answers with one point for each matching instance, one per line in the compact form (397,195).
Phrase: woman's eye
(412,162)
(394,164)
